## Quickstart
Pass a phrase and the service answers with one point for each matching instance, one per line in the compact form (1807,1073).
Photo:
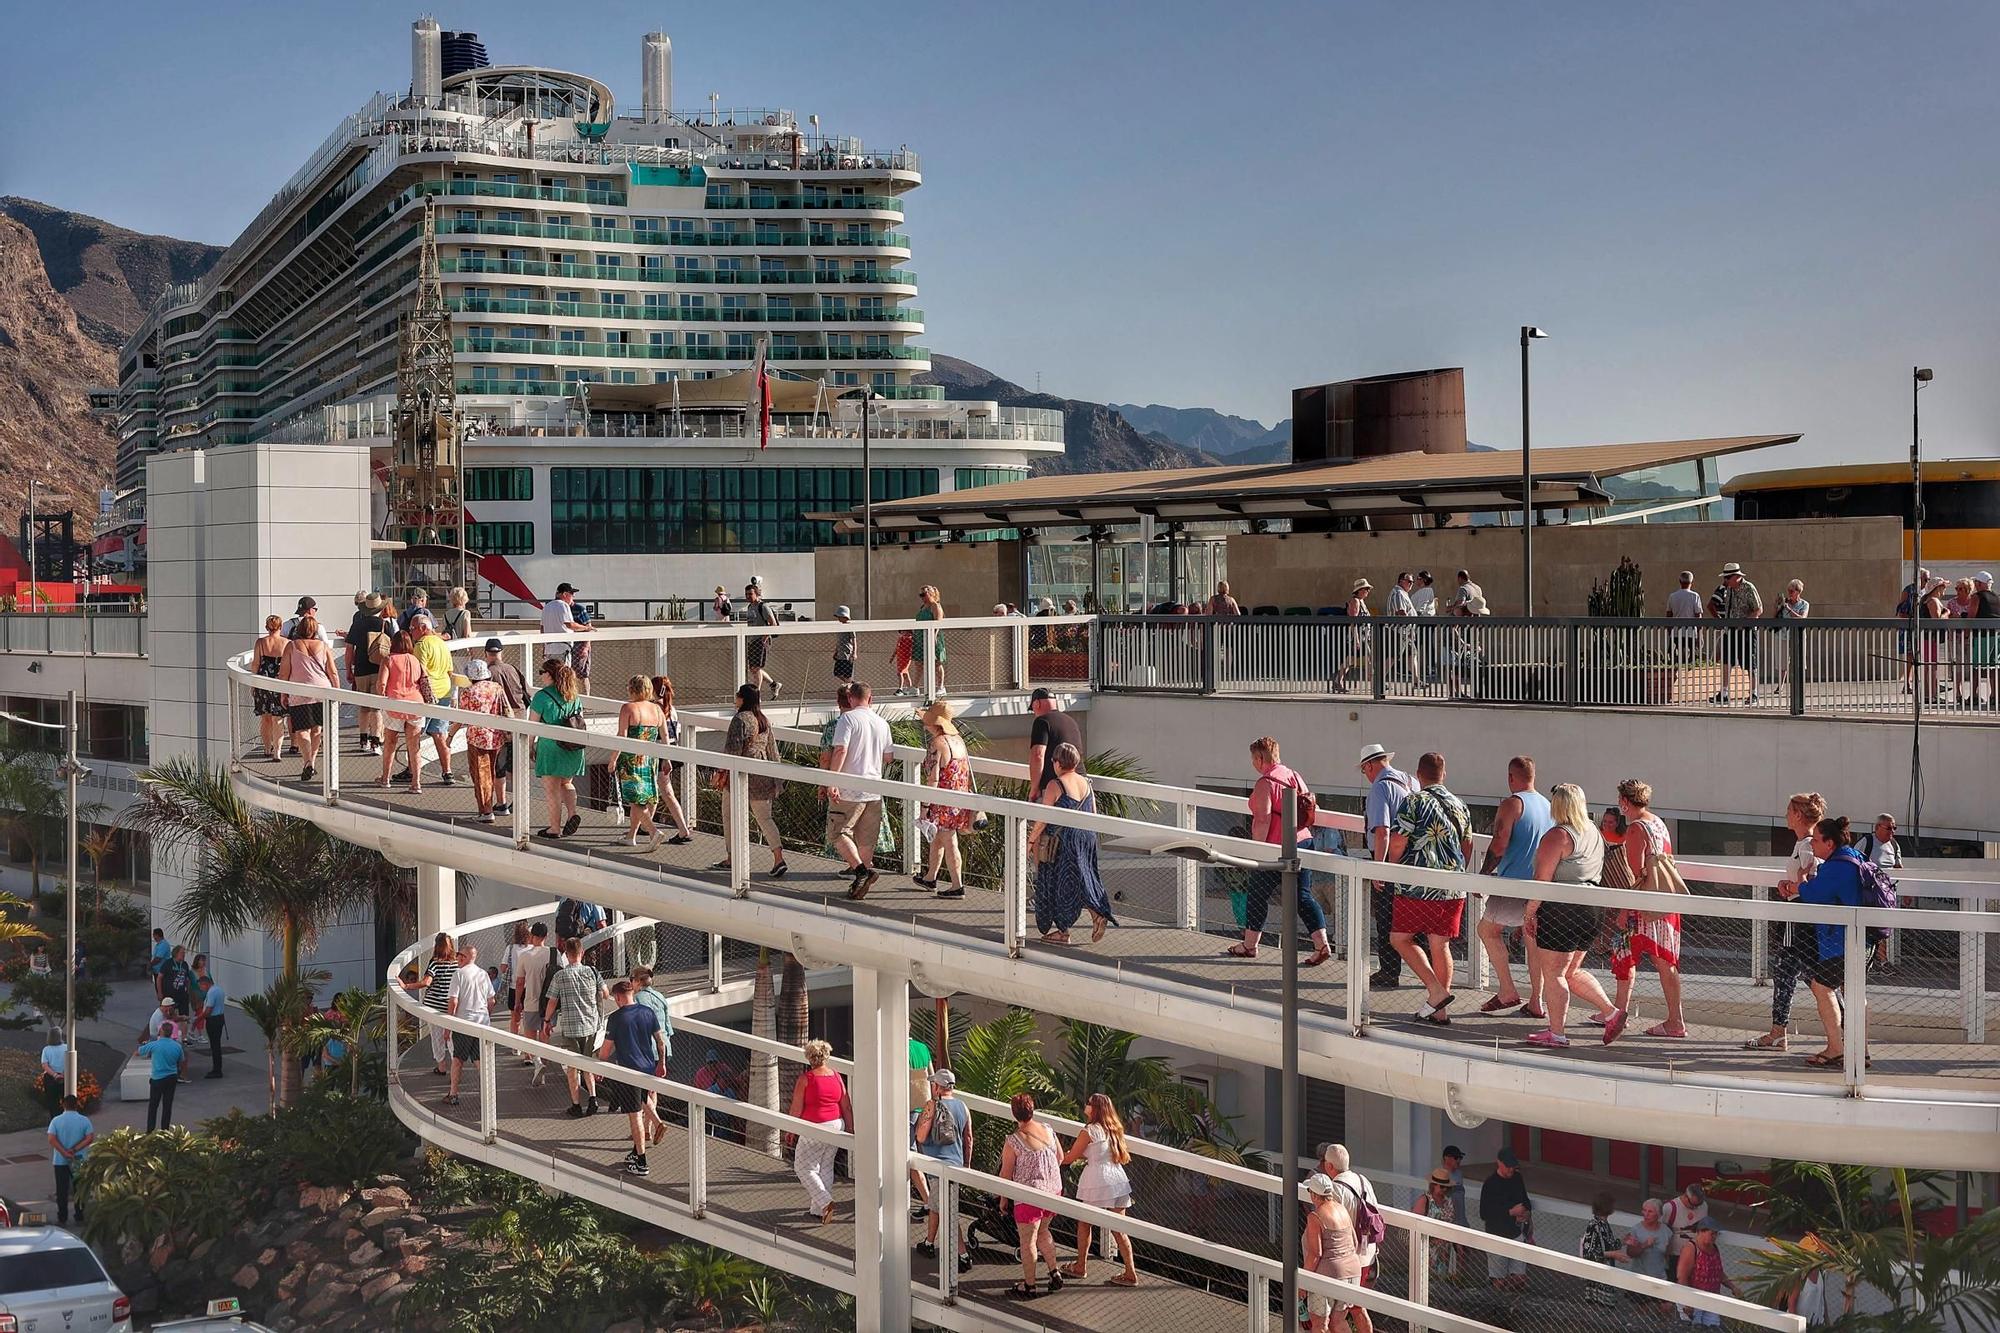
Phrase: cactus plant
(1623,594)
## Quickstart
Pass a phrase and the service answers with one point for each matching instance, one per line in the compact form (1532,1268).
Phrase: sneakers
(486,818)
(307,773)
(780,870)
(777,688)
(403,776)
(504,808)
(636,1166)
(447,780)
(679,840)
(864,880)
(953,891)
(575,1111)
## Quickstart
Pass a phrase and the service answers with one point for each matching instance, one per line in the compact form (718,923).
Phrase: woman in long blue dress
(1066,879)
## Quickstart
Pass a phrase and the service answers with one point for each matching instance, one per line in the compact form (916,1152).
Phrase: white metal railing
(1260,1272)
(1947,1012)
(1818,667)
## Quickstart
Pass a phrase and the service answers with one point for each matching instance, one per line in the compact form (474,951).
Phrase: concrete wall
(1711,767)
(970,576)
(236,534)
(1851,566)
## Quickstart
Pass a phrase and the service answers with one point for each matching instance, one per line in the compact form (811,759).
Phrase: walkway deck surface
(1924,1048)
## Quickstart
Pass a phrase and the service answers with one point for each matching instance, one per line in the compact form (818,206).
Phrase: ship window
(502,483)
(501,538)
(657,511)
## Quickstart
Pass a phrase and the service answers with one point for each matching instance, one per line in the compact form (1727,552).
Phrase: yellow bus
(1961,504)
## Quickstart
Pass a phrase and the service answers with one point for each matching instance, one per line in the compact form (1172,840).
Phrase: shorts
(1504,911)
(1438,917)
(860,820)
(584,1045)
(1026,1214)
(623,1096)
(1704,1318)
(755,651)
(304,717)
(436,726)
(1566,927)
(1323,1306)
(1828,972)
(843,669)
(464,1047)
(1499,1266)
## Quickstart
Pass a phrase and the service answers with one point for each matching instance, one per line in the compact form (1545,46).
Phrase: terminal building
(256,420)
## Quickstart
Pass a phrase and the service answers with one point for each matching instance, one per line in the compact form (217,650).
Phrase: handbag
(1663,876)
(574,721)
(1045,846)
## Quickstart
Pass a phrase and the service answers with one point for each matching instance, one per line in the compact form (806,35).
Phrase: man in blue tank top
(1518,827)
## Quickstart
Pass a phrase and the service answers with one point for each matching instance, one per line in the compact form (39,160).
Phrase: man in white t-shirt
(1684,603)
(854,816)
(470,998)
(559,617)
(531,976)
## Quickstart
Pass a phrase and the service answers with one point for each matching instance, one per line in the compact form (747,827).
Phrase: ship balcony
(718,277)
(760,238)
(678,352)
(479,305)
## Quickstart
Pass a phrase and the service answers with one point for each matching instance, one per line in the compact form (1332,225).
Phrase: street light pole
(867,514)
(1288,1053)
(74,773)
(1528,334)
(1919,377)
(34,571)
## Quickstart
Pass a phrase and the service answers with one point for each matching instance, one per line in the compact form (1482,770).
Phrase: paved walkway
(25,1175)
(1918,1038)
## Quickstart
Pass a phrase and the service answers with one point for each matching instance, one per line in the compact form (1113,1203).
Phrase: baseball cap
(1507,1158)
(1041,692)
(1320,1183)
(1453,1150)
(494,645)
(944,1078)
(562,588)
(307,604)
(1983,576)
(1704,1225)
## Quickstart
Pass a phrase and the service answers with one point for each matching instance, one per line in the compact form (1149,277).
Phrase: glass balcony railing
(555,194)
(534,268)
(621,236)
(880,203)
(555,389)
(472,305)
(677,351)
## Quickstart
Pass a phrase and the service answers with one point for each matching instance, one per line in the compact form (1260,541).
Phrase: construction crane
(426,490)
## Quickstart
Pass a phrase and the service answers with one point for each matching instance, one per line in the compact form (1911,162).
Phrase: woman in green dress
(931,607)
(638,785)
(554,705)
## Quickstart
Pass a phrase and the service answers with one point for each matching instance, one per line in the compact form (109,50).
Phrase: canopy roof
(1387,484)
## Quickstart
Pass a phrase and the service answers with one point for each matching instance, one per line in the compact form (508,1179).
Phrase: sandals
(1055,937)
(1615,1025)
(1098,928)
(1125,1280)
(1496,1005)
(1022,1291)
(1765,1043)
(1825,1061)
(1319,956)
(1240,951)
(1077,1271)
(1665,1030)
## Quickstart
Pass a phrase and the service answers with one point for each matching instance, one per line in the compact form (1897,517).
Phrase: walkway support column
(880,1090)
(437,900)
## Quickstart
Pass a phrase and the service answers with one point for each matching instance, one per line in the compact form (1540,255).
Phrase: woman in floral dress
(639,720)
(948,768)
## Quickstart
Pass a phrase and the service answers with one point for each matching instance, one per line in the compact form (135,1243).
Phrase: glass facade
(692,510)
(499,483)
(968,477)
(501,538)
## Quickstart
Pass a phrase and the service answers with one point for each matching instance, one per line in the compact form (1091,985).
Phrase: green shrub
(46,994)
(330,1138)
(174,1185)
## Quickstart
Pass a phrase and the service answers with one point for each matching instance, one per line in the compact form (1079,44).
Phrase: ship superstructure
(613,282)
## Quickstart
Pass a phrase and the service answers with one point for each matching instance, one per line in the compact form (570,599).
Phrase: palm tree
(794,1019)
(277,1011)
(33,808)
(357,1020)
(248,871)
(1933,1283)
(99,846)
(763,1065)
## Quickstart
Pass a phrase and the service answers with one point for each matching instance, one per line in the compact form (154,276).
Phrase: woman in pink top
(1032,1157)
(309,662)
(820,1095)
(402,678)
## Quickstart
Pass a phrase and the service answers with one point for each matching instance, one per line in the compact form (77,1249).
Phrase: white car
(224,1316)
(50,1282)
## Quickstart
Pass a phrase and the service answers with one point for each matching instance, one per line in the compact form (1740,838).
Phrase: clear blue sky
(1733,218)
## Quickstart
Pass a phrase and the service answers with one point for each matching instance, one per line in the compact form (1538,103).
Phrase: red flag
(763,403)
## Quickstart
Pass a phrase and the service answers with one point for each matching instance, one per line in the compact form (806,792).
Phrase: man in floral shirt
(482,695)
(1432,830)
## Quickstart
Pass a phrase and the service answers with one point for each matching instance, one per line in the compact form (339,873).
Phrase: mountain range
(74,287)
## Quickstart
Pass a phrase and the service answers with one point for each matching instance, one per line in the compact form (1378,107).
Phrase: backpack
(569,919)
(1369,1227)
(944,1126)
(1877,890)
(1308,811)
(379,645)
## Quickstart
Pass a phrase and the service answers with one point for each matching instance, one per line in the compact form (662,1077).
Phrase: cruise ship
(614,281)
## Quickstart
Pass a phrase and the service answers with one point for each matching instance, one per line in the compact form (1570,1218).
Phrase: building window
(966,478)
(514,483)
(501,538)
(666,511)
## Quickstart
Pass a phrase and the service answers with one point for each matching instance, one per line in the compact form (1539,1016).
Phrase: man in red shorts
(1433,830)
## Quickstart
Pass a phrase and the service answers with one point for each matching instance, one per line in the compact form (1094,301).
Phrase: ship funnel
(426,63)
(657,70)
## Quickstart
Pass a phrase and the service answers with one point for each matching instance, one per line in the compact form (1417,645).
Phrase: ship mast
(426,498)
